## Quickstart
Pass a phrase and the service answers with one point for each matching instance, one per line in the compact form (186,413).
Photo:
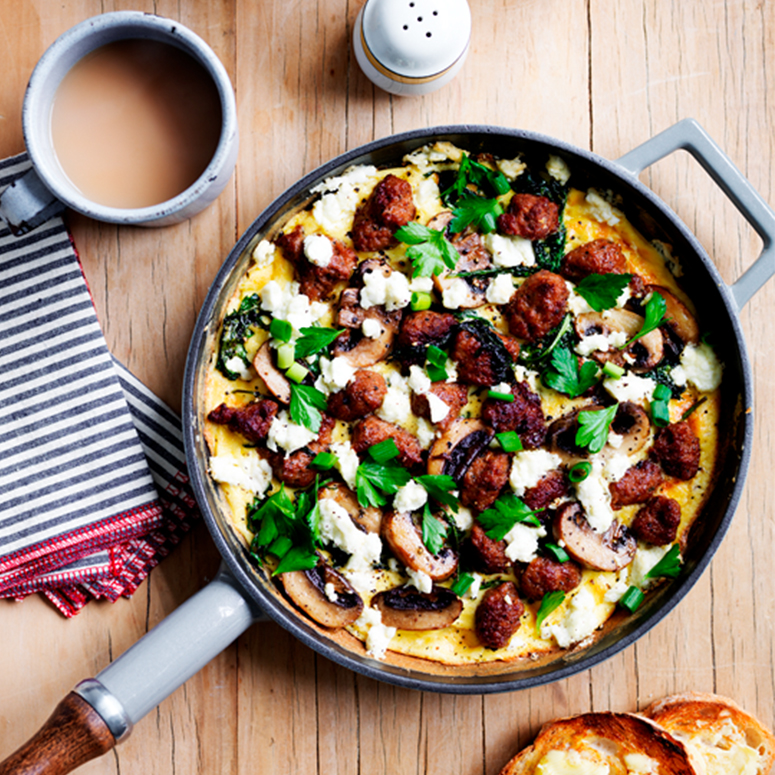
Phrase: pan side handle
(688,135)
(101,711)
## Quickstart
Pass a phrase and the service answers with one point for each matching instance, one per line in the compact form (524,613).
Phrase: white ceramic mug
(45,190)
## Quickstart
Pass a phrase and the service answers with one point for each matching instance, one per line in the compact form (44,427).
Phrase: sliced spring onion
(286,354)
(297,372)
(420,300)
(462,584)
(631,599)
(281,330)
(498,396)
(384,451)
(557,552)
(435,363)
(660,413)
(324,461)
(580,471)
(612,371)
(662,393)
(509,441)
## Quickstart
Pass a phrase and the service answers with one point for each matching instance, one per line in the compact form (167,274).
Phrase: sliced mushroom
(405,540)
(474,257)
(678,319)
(274,379)
(642,355)
(369,519)
(324,595)
(631,422)
(561,436)
(350,313)
(454,451)
(408,609)
(609,551)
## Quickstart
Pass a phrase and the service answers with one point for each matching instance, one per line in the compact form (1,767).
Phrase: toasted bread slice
(722,739)
(602,744)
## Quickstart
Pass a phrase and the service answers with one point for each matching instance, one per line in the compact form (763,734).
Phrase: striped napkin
(93,483)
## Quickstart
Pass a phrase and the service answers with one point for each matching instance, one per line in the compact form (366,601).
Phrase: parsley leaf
(506,512)
(314,339)
(669,566)
(594,426)
(565,376)
(471,172)
(306,404)
(656,307)
(440,488)
(370,478)
(601,291)
(434,531)
(430,251)
(477,211)
(549,602)
(237,327)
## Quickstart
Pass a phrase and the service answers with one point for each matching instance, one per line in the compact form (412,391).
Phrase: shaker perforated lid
(414,41)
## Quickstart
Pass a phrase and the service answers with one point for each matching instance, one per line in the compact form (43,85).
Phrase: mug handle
(27,203)
(689,136)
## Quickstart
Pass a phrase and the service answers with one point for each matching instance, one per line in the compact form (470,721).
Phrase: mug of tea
(128,118)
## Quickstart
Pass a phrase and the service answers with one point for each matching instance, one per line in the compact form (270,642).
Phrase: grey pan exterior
(193,634)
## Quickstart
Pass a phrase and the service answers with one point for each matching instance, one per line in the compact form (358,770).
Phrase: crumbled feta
(646,558)
(577,304)
(600,342)
(614,440)
(624,296)
(263,254)
(337,527)
(352,176)
(347,461)
(428,195)
(438,408)
(522,542)
(426,433)
(372,329)
(340,196)
(318,249)
(236,365)
(511,168)
(581,619)
(422,582)
(602,210)
(330,592)
(411,497)
(418,380)
(464,519)
(378,636)
(503,387)
(392,291)
(396,406)
(619,586)
(251,472)
(558,168)
(476,586)
(630,387)
(526,375)
(500,289)
(700,366)
(336,373)
(615,466)
(455,294)
(287,434)
(440,153)
(595,497)
(510,251)
(421,284)
(530,466)
(286,302)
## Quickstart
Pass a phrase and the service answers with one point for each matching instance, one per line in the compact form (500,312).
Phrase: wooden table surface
(602,74)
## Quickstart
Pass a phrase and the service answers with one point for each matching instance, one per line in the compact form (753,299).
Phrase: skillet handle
(101,712)
(690,136)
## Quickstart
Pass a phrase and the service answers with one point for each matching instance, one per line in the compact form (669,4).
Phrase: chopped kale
(662,375)
(561,335)
(237,327)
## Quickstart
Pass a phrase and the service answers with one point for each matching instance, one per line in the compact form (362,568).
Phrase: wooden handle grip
(74,734)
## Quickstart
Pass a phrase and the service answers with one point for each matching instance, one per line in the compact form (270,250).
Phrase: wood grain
(604,75)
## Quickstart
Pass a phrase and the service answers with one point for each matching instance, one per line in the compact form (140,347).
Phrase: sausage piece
(529,216)
(637,485)
(523,415)
(372,430)
(419,330)
(317,282)
(363,395)
(539,305)
(252,420)
(678,450)
(601,256)
(550,487)
(389,206)
(453,395)
(657,522)
(482,361)
(543,575)
(487,555)
(294,469)
(484,480)
(498,615)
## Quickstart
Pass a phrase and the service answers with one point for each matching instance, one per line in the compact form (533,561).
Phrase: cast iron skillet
(107,707)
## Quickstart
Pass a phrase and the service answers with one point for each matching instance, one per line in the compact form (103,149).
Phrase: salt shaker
(410,47)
